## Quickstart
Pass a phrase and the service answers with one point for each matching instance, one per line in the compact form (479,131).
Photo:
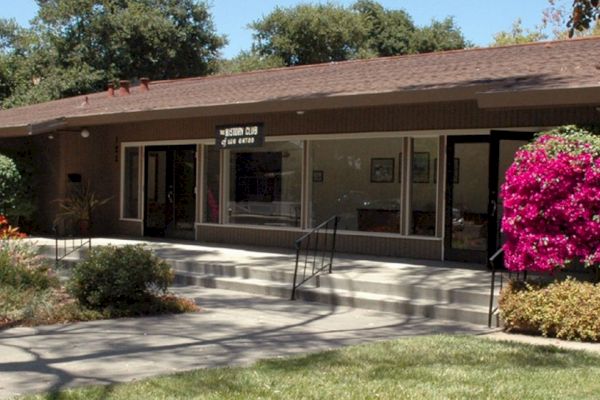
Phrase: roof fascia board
(539,98)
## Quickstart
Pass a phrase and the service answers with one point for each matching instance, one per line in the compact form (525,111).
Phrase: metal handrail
(66,245)
(327,249)
(492,265)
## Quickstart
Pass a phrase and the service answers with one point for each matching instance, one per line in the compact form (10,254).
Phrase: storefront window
(211,184)
(265,185)
(358,180)
(423,199)
(131,164)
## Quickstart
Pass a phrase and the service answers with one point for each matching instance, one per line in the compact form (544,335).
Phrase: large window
(131,166)
(423,199)
(265,185)
(360,181)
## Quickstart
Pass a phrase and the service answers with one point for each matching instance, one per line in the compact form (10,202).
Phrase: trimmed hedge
(566,309)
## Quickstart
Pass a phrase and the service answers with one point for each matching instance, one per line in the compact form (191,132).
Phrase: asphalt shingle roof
(568,64)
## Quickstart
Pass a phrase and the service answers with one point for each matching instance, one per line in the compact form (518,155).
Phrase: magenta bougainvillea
(552,202)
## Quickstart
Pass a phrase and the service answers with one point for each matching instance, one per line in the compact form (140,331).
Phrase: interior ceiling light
(85,133)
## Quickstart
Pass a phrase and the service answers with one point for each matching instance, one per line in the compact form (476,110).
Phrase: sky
(478,19)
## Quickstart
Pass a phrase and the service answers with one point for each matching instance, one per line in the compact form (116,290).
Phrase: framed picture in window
(382,170)
(420,167)
(318,176)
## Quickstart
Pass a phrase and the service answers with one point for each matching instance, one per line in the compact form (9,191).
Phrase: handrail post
(492,287)
(296,270)
(335,225)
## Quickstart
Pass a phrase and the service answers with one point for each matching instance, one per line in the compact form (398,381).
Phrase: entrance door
(170,199)
(467,198)
(476,166)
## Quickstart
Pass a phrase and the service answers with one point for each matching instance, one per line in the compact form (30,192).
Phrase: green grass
(433,367)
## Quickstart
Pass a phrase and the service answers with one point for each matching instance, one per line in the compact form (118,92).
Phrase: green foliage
(80,204)
(21,267)
(77,46)
(316,33)
(249,61)
(15,198)
(567,310)
(518,35)
(389,32)
(119,278)
(439,36)
(309,34)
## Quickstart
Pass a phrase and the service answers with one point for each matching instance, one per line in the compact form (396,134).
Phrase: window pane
(265,185)
(131,183)
(423,202)
(211,184)
(358,180)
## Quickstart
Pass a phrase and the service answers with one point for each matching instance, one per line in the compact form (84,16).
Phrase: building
(409,151)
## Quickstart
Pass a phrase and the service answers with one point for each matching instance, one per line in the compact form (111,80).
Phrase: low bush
(566,309)
(21,267)
(119,279)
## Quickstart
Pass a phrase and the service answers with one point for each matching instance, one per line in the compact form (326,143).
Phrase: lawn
(431,367)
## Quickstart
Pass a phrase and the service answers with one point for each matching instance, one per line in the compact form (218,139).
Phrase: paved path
(234,328)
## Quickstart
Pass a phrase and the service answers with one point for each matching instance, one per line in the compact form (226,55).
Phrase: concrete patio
(433,289)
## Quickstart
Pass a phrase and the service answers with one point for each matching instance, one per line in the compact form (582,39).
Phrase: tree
(313,33)
(249,61)
(585,13)
(309,34)
(551,202)
(76,46)
(439,36)
(518,35)
(389,32)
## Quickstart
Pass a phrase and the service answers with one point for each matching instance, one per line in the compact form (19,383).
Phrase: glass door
(468,199)
(476,170)
(170,198)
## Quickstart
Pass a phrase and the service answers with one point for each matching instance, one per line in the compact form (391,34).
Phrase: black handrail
(67,244)
(495,263)
(320,250)
(492,262)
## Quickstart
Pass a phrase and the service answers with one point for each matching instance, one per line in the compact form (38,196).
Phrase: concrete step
(466,295)
(373,301)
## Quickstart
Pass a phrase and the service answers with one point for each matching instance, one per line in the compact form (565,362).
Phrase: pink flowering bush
(552,202)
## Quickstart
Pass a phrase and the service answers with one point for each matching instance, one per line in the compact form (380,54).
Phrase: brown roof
(495,77)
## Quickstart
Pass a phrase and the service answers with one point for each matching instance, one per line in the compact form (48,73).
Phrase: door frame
(494,140)
(449,252)
(170,159)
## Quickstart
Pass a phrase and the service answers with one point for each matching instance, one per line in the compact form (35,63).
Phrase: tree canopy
(75,46)
(315,33)
(518,35)
(585,14)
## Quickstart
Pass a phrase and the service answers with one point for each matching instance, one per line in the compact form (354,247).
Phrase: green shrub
(119,278)
(567,309)
(15,191)
(21,267)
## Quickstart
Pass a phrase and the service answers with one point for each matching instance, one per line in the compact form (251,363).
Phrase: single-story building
(408,151)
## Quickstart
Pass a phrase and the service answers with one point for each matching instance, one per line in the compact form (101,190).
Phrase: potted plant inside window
(79,207)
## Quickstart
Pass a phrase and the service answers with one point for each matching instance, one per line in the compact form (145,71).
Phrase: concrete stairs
(468,304)
(438,292)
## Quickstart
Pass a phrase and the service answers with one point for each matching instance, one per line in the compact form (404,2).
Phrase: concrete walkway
(234,328)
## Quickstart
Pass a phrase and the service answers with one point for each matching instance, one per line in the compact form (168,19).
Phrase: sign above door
(240,136)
